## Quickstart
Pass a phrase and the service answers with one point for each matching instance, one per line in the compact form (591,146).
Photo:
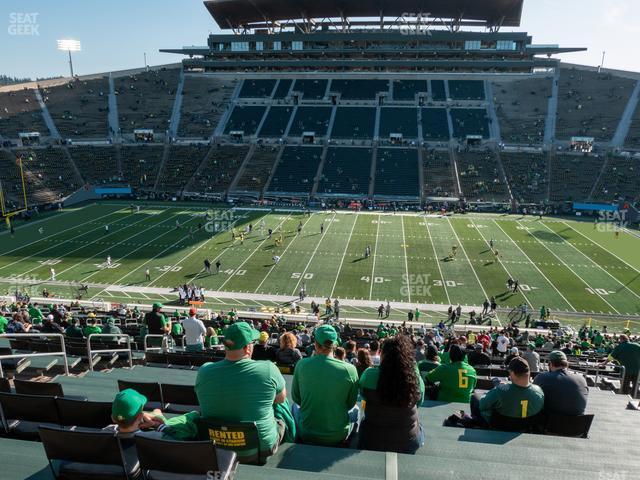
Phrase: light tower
(69,46)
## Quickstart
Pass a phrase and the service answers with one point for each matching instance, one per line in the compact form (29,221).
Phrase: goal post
(12,205)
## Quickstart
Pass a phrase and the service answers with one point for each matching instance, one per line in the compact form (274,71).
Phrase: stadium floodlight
(69,45)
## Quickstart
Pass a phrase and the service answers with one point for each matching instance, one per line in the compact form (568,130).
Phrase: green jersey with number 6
(510,400)
(457,381)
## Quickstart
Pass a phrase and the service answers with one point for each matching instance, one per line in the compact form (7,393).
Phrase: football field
(566,265)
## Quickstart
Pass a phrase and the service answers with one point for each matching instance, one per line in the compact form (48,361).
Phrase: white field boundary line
(98,239)
(281,256)
(596,243)
(141,246)
(591,260)
(324,233)
(535,266)
(375,252)
(119,281)
(437,260)
(500,261)
(406,264)
(32,223)
(235,270)
(53,235)
(344,254)
(484,292)
(226,249)
(571,270)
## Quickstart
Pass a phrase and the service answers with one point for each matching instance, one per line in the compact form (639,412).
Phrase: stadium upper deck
(368,36)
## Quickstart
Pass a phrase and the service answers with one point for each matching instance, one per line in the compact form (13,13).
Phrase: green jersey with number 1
(510,400)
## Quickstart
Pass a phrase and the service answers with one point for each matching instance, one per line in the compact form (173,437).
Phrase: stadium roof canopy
(240,13)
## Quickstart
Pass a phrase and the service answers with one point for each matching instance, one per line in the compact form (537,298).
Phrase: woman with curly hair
(288,354)
(392,393)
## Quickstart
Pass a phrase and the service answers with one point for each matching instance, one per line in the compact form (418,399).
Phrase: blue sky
(115,34)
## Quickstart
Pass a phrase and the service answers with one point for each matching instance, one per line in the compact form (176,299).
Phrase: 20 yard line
(535,266)
(344,254)
(375,252)
(406,265)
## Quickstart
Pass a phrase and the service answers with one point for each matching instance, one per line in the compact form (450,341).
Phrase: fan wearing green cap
(517,399)
(240,389)
(325,391)
(565,392)
(156,321)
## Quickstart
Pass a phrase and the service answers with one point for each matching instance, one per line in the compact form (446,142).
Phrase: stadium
(361,239)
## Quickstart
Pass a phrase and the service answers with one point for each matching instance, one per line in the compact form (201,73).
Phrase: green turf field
(568,266)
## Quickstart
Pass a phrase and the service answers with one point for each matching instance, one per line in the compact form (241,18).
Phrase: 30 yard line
(570,269)
(467,257)
(535,266)
(375,252)
(437,260)
(344,254)
(324,233)
(406,265)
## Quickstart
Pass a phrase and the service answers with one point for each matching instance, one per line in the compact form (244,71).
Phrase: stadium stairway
(448,452)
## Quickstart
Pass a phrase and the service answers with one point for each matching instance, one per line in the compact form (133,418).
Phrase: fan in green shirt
(91,328)
(3,324)
(457,379)
(628,355)
(36,314)
(238,389)
(516,399)
(74,331)
(326,389)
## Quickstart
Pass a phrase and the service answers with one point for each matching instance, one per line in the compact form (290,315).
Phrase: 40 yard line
(406,265)
(344,254)
(375,252)
(435,254)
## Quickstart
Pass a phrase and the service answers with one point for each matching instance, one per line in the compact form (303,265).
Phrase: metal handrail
(110,350)
(62,353)
(161,348)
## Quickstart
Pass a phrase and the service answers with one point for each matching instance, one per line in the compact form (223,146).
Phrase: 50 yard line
(375,252)
(406,265)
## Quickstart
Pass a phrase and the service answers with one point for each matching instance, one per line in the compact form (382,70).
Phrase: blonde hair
(288,340)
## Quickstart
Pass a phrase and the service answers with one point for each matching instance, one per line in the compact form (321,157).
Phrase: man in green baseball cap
(325,391)
(565,392)
(240,389)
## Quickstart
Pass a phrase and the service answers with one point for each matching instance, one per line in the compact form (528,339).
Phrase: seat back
(240,437)
(29,408)
(533,424)
(186,458)
(94,447)
(5,386)
(79,413)
(47,389)
(568,425)
(179,394)
(151,390)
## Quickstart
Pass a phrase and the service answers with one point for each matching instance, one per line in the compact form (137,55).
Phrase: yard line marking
(31,223)
(71,240)
(406,265)
(255,250)
(313,255)
(571,269)
(596,243)
(536,267)
(375,252)
(467,257)
(135,250)
(96,241)
(501,263)
(591,260)
(281,256)
(437,260)
(344,254)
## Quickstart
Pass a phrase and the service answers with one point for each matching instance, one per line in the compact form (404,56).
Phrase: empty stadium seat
(151,390)
(79,413)
(22,414)
(46,389)
(179,398)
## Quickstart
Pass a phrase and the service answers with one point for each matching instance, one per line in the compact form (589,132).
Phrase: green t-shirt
(3,324)
(241,391)
(597,340)
(369,380)
(89,330)
(326,389)
(512,401)
(212,340)
(628,354)
(457,381)
(176,328)
(36,315)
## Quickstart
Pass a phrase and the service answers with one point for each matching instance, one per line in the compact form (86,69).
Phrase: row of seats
(527,174)
(180,166)
(204,101)
(219,169)
(259,167)
(20,112)
(480,177)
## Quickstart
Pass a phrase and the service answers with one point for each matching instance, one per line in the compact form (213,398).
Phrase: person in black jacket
(262,351)
(478,357)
